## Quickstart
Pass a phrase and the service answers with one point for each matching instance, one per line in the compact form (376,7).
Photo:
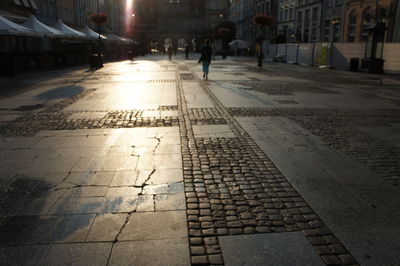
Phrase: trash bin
(354,63)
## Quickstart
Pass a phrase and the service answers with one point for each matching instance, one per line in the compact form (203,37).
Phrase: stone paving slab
(196,97)
(127,95)
(159,114)
(155,225)
(31,255)
(151,252)
(269,249)
(44,229)
(7,117)
(212,131)
(78,254)
(106,227)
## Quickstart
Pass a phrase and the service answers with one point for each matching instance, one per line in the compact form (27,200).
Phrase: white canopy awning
(127,40)
(91,33)
(68,30)
(115,38)
(8,27)
(34,24)
(239,44)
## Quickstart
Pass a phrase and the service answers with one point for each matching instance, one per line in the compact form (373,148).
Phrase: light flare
(128,16)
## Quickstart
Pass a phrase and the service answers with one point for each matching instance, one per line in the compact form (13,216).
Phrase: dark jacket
(206,53)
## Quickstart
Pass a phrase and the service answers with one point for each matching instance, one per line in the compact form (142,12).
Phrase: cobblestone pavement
(232,188)
(148,164)
(341,130)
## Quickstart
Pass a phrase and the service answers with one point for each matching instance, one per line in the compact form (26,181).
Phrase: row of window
(351,31)
(307,15)
(286,14)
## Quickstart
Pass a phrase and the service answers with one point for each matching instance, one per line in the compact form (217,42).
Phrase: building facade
(308,20)
(116,16)
(242,13)
(83,10)
(396,28)
(50,11)
(332,21)
(216,11)
(177,19)
(266,7)
(16,10)
(361,14)
(286,19)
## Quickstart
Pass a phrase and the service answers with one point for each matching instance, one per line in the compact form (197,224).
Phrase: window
(314,34)
(285,30)
(299,16)
(305,36)
(315,15)
(352,27)
(291,13)
(327,31)
(336,31)
(307,15)
(365,23)
(339,2)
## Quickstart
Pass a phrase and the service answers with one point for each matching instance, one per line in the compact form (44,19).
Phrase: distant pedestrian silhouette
(187,50)
(206,54)
(170,51)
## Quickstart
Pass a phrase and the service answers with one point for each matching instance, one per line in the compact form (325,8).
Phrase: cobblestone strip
(68,101)
(283,88)
(204,249)
(392,114)
(233,188)
(205,116)
(31,123)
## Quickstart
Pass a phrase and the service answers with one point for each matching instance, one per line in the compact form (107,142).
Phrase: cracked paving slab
(104,180)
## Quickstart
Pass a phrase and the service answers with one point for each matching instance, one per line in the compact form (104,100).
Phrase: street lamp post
(99,25)
(261,20)
(334,22)
(98,19)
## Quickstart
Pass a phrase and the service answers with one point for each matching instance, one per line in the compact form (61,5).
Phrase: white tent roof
(91,33)
(113,37)
(8,27)
(38,26)
(239,44)
(126,39)
(68,30)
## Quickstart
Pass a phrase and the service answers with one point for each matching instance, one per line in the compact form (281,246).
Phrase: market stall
(17,43)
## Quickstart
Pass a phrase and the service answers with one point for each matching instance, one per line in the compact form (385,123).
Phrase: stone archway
(177,39)
(182,42)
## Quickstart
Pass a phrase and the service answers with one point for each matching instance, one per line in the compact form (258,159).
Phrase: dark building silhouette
(177,19)
(17,11)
